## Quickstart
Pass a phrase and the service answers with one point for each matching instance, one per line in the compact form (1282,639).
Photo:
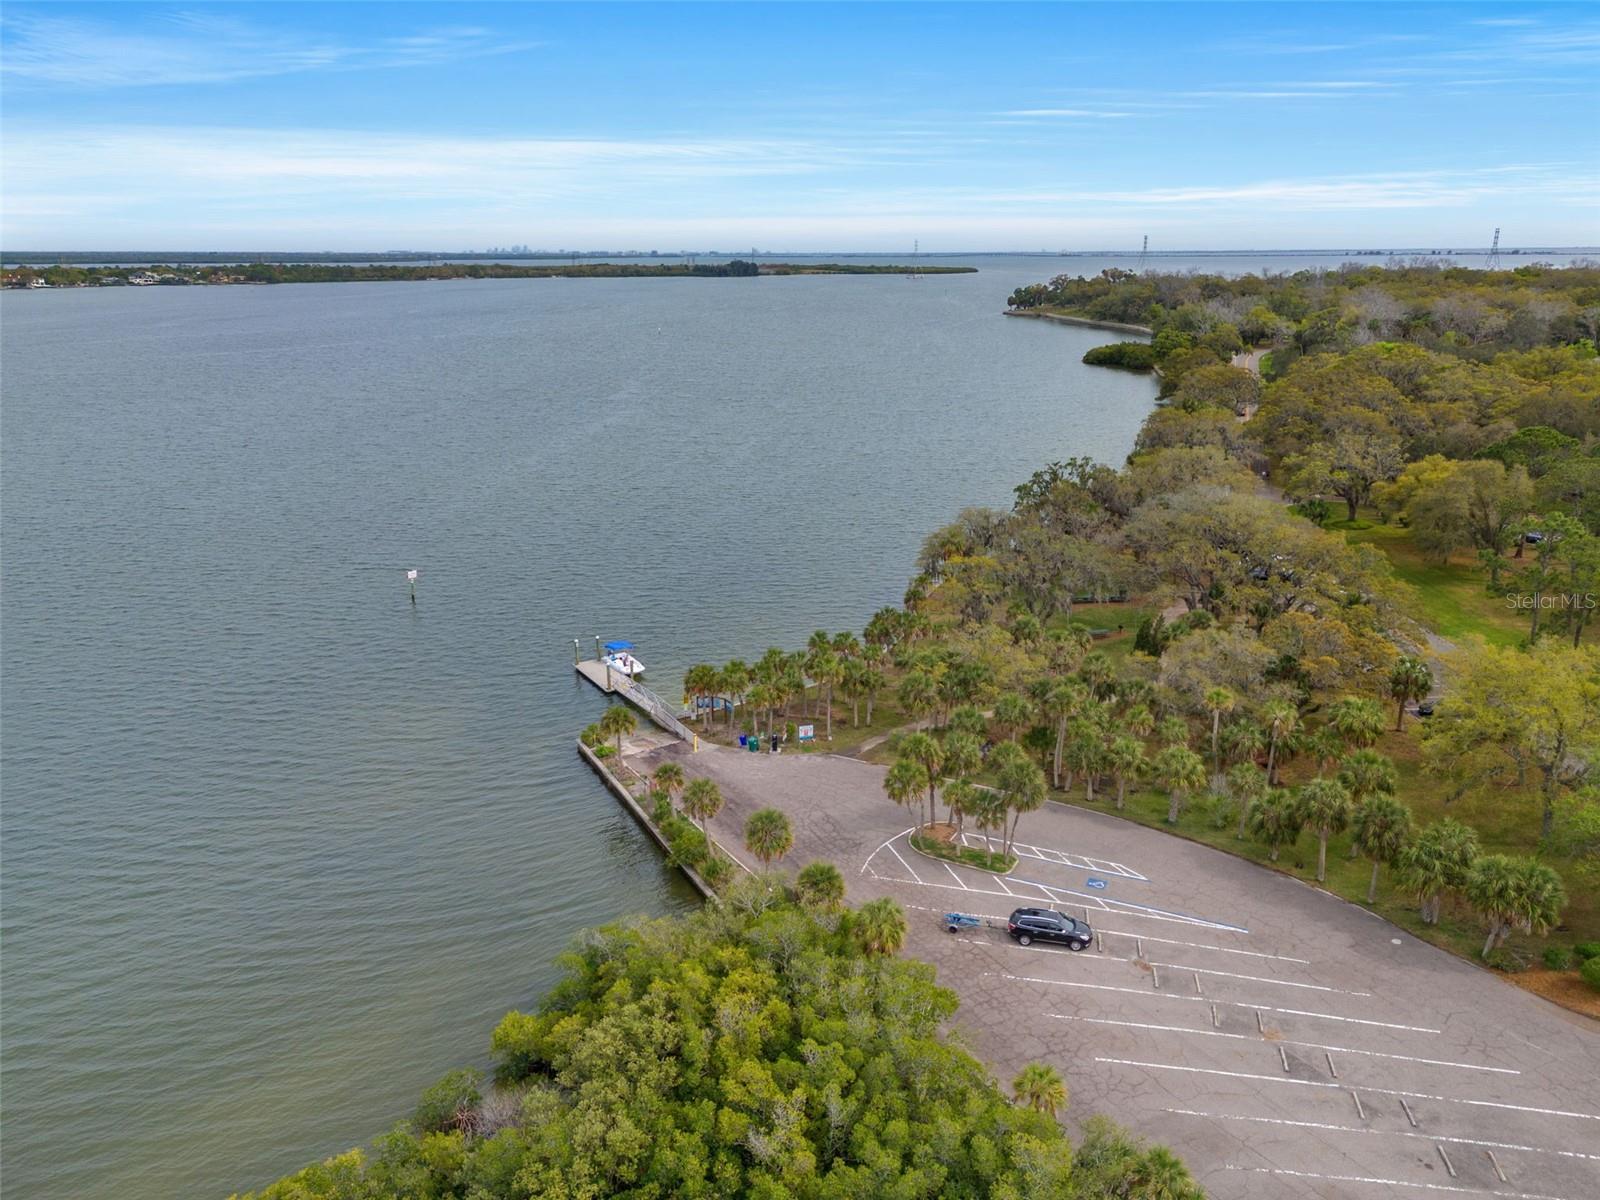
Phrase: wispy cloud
(1098,114)
(205,47)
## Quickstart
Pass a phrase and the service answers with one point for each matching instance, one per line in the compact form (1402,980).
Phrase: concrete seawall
(623,794)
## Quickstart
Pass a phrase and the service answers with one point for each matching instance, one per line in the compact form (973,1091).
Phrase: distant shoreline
(61,276)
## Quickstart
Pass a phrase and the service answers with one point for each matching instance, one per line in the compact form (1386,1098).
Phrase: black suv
(1030,925)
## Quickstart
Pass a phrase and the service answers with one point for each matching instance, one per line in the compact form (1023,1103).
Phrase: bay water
(279,847)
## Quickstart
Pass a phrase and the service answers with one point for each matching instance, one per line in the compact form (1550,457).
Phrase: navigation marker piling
(411,578)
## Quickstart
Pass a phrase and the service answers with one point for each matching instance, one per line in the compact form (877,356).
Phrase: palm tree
(1066,648)
(1160,1175)
(735,679)
(1039,1087)
(906,782)
(820,886)
(1098,674)
(958,794)
(963,755)
(817,645)
(1437,861)
(669,779)
(918,694)
(1086,753)
(926,749)
(1364,774)
(969,718)
(1246,784)
(1326,807)
(1323,745)
(1218,700)
(1380,829)
(852,686)
(872,681)
(1013,713)
(827,669)
(1139,720)
(617,722)
(1514,893)
(987,808)
(1061,701)
(1022,784)
(702,800)
(1243,740)
(699,682)
(1172,731)
(880,927)
(767,835)
(1409,679)
(846,644)
(1276,821)
(1281,718)
(1125,760)
(1180,771)
(1356,719)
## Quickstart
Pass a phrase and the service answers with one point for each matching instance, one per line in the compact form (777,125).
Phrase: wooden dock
(596,673)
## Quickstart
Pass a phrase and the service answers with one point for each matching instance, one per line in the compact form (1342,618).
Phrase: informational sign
(1098,884)
(807,733)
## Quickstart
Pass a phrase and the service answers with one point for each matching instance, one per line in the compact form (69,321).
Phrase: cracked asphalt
(1283,1041)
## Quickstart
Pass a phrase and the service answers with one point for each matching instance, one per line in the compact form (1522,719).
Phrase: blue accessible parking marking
(1096,883)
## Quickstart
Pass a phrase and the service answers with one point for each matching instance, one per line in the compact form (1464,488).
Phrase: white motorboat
(619,657)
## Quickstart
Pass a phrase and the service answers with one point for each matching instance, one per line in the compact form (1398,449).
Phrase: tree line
(772,1046)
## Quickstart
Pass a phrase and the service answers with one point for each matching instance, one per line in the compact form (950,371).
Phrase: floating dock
(615,683)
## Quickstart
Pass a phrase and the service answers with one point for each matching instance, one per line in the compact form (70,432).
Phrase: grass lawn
(1451,599)
(886,717)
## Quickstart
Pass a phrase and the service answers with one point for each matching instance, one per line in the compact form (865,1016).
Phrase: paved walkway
(1285,1043)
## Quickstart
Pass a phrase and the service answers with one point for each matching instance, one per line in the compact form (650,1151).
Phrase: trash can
(754,744)
(741,739)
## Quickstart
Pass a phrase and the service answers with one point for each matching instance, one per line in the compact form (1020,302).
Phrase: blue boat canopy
(615,646)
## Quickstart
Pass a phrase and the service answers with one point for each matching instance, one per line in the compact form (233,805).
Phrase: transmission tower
(1494,252)
(1144,255)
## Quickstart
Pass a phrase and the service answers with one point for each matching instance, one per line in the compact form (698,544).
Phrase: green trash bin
(754,744)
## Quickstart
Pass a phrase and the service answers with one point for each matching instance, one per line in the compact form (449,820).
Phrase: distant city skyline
(798,127)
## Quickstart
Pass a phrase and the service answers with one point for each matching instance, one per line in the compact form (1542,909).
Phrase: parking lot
(1284,1042)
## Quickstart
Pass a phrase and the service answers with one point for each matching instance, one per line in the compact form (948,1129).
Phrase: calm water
(279,849)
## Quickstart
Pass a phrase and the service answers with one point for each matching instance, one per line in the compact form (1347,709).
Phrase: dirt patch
(1562,987)
(939,832)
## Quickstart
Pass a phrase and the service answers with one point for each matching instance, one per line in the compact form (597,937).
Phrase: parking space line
(1315,987)
(1123,908)
(1290,1012)
(1245,1037)
(1432,1187)
(1317,1083)
(954,876)
(917,878)
(1405,1133)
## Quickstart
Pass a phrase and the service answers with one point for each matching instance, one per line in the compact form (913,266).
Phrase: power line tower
(1494,252)
(1144,255)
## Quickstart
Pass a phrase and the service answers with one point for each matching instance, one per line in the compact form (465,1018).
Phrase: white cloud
(207,47)
(1065,112)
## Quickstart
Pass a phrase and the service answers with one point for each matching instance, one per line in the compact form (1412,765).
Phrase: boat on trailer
(619,657)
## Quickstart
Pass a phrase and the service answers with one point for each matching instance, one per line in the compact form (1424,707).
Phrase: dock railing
(654,706)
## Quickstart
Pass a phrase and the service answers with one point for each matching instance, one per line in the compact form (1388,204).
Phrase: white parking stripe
(903,862)
(1150,938)
(1123,908)
(1266,1008)
(1344,1087)
(1248,1037)
(954,876)
(1431,1187)
(1405,1133)
(1315,987)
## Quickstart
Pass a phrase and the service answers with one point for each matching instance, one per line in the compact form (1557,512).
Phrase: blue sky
(806,127)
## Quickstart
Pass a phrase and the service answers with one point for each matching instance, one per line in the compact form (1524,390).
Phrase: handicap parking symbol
(1097,883)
